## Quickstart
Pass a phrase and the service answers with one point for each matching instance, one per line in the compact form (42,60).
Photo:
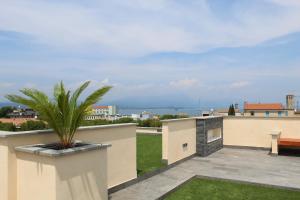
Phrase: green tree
(4,111)
(33,125)
(95,122)
(231,111)
(168,116)
(149,123)
(123,120)
(7,127)
(63,113)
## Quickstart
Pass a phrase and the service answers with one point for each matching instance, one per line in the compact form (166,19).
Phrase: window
(252,113)
(279,114)
(214,134)
(286,113)
(267,113)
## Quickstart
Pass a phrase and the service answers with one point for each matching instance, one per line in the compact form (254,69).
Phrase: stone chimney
(290,101)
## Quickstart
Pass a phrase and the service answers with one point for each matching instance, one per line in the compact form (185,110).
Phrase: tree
(168,116)
(4,111)
(63,113)
(231,111)
(33,125)
(123,120)
(149,123)
(7,127)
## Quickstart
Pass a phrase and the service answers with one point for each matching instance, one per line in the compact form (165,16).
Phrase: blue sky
(154,53)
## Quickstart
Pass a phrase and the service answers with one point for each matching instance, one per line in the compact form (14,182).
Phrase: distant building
(266,110)
(224,112)
(105,110)
(94,117)
(272,109)
(108,117)
(143,116)
(206,113)
(23,113)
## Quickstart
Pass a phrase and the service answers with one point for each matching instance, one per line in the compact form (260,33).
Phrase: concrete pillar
(274,142)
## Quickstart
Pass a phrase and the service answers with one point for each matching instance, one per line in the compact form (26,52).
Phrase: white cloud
(286,2)
(239,84)
(141,26)
(147,5)
(105,81)
(5,85)
(184,83)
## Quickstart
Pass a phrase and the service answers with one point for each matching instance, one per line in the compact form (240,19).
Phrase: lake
(160,111)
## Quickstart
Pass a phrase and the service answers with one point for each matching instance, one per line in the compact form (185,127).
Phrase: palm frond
(63,113)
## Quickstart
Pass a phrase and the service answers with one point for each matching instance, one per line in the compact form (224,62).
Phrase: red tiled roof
(263,106)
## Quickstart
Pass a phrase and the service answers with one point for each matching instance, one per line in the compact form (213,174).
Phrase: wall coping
(6,134)
(191,118)
(261,117)
(38,149)
(275,132)
(146,128)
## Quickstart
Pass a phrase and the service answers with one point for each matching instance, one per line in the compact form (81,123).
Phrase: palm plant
(63,113)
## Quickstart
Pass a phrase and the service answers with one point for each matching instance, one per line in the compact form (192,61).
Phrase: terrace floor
(254,166)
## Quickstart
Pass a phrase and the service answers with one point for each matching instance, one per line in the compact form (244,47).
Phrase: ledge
(210,117)
(148,128)
(38,149)
(191,118)
(275,132)
(5,134)
(180,119)
(261,117)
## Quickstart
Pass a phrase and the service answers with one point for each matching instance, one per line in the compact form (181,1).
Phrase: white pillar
(274,142)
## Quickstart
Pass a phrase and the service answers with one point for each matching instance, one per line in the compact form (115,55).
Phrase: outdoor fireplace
(209,135)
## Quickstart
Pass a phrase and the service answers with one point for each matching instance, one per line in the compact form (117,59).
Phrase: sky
(207,53)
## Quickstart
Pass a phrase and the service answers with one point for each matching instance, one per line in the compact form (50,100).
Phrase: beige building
(266,110)
(105,110)
(272,109)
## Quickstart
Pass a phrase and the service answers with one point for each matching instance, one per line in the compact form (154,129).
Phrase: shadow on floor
(289,152)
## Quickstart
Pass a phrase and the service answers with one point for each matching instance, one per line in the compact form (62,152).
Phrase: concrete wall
(3,171)
(179,139)
(255,131)
(237,131)
(71,177)
(121,156)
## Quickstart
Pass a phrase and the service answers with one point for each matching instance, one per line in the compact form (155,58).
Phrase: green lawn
(205,189)
(149,153)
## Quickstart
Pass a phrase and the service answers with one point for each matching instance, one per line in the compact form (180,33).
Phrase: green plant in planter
(64,113)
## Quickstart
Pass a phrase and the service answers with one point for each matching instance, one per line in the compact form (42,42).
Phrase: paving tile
(237,164)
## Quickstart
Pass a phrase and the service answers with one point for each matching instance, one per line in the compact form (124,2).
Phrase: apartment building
(266,110)
(105,110)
